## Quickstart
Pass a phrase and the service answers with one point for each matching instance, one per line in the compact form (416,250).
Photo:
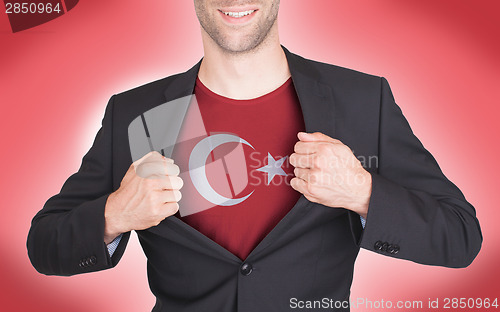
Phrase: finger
(302,147)
(171,169)
(157,169)
(165,183)
(157,157)
(151,170)
(312,147)
(172,183)
(301,186)
(301,173)
(298,184)
(168,160)
(302,161)
(310,176)
(143,158)
(316,137)
(170,196)
(152,156)
(132,170)
(171,208)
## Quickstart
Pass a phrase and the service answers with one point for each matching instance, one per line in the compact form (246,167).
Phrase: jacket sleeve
(67,236)
(415,212)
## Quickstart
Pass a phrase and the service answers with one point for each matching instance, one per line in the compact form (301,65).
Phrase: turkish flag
(221,172)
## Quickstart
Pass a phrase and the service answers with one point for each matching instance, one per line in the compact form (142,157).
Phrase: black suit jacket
(415,212)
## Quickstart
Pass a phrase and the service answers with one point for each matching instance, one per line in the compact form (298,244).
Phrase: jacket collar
(315,97)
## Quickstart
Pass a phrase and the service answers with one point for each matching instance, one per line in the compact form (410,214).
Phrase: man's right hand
(148,193)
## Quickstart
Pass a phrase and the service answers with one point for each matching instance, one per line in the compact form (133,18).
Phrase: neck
(245,75)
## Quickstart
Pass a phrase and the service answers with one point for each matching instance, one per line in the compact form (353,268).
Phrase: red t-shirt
(233,156)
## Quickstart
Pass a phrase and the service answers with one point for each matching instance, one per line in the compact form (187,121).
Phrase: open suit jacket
(415,212)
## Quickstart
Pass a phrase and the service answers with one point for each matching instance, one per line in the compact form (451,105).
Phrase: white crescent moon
(197,161)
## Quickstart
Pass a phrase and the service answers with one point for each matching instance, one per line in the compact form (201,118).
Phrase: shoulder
(337,76)
(152,90)
(134,102)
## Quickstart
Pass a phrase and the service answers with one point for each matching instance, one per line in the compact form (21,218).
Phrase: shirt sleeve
(363,221)
(112,246)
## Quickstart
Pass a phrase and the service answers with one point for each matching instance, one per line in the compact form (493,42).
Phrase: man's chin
(239,46)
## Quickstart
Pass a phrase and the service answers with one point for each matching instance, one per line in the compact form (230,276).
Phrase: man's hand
(148,193)
(327,172)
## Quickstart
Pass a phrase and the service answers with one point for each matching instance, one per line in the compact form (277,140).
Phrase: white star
(273,167)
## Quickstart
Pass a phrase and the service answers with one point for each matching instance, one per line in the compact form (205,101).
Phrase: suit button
(378,245)
(93,260)
(246,269)
(384,246)
(396,249)
(390,249)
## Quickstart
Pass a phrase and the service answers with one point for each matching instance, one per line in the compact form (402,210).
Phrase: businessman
(300,127)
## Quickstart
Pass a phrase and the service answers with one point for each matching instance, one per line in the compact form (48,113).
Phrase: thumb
(152,156)
(316,137)
(144,157)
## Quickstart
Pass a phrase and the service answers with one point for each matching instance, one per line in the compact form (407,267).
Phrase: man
(279,242)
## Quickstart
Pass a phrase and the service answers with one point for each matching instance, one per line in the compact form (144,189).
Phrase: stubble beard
(249,43)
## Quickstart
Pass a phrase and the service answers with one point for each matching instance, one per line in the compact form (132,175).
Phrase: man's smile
(237,15)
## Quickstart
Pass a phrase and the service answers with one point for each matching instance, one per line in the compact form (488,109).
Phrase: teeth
(239,14)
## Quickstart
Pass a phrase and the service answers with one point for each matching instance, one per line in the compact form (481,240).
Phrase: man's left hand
(327,172)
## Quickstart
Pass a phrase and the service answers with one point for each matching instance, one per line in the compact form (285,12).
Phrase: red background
(440,57)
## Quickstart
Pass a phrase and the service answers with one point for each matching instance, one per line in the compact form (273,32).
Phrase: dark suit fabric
(310,254)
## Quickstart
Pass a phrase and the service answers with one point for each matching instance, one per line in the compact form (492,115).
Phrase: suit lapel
(183,84)
(316,98)
(317,104)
